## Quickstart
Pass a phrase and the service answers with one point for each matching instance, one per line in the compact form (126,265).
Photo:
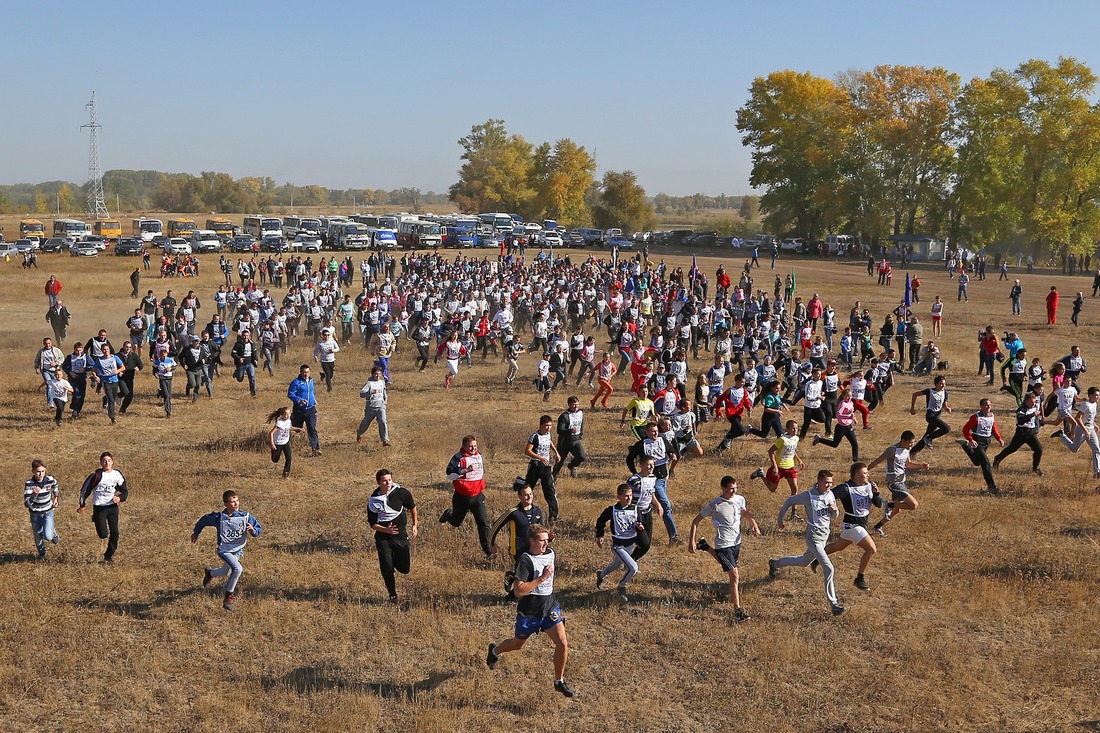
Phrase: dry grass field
(981,614)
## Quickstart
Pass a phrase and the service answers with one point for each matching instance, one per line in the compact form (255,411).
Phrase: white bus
(499,223)
(70,228)
(348,235)
(259,227)
(295,225)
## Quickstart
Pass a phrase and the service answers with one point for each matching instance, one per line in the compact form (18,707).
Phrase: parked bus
(146,229)
(295,225)
(221,227)
(418,234)
(181,228)
(32,228)
(109,229)
(348,235)
(70,228)
(499,223)
(259,227)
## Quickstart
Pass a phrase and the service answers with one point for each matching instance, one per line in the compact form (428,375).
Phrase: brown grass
(981,615)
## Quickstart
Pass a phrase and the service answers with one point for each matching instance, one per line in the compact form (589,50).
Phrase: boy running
(896,458)
(725,512)
(234,529)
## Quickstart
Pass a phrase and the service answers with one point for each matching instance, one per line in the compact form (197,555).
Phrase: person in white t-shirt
(1084,421)
(726,512)
(279,437)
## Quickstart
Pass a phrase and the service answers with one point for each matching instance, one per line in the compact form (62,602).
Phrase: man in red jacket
(53,289)
(1052,306)
(467,474)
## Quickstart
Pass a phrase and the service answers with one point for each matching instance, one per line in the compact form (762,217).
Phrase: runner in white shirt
(896,458)
(1084,420)
(726,512)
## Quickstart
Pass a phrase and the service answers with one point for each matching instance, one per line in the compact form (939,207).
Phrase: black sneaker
(813,565)
(563,688)
(445,516)
(599,580)
(491,658)
(1037,471)
(623,596)
(838,609)
(773,571)
(1057,434)
(702,544)
(206,576)
(572,472)
(758,473)
(861,583)
(739,615)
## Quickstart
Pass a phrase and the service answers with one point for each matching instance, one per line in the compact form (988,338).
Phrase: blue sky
(375,95)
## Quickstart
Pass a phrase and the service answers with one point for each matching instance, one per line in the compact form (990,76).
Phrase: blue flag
(694,271)
(908,301)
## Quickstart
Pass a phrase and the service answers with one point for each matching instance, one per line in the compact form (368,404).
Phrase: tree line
(131,190)
(1008,161)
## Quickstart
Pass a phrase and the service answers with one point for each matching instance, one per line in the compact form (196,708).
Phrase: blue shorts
(528,625)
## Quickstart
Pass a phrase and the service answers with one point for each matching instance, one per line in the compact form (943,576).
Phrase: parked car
(83,249)
(274,244)
(55,244)
(158,241)
(551,239)
(26,245)
(619,241)
(177,246)
(8,250)
(487,241)
(97,241)
(306,243)
(206,240)
(704,240)
(676,237)
(243,243)
(795,244)
(129,246)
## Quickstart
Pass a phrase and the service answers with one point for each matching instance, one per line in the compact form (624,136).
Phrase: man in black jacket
(194,358)
(570,433)
(58,317)
(245,359)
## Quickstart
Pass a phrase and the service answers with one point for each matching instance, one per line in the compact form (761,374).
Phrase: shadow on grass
(142,610)
(316,544)
(307,680)
(1028,572)
(1088,724)
(9,558)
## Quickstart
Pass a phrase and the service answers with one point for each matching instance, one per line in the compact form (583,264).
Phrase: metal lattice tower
(96,204)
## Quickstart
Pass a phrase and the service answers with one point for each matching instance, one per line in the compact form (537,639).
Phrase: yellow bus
(32,228)
(221,226)
(110,229)
(181,227)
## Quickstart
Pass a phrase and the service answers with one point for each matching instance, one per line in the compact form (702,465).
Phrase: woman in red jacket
(1052,306)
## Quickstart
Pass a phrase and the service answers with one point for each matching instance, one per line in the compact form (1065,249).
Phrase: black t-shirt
(542,600)
(391,510)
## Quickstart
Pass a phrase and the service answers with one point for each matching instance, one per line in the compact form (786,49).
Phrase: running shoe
(206,576)
(599,580)
(623,596)
(994,491)
(880,531)
(1037,471)
(868,427)
(813,565)
(838,609)
(861,583)
(758,473)
(572,472)
(773,571)
(491,658)
(740,616)
(702,545)
(227,604)
(563,688)
(445,516)
(1057,434)
(816,440)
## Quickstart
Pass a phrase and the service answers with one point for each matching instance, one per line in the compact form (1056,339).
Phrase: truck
(348,235)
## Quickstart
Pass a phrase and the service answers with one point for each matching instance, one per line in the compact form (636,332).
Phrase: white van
(839,244)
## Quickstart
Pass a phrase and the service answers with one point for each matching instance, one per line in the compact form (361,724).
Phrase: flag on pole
(908,301)
(694,271)
(794,284)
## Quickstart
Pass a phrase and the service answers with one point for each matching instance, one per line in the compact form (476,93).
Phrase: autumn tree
(794,124)
(560,175)
(622,203)
(496,171)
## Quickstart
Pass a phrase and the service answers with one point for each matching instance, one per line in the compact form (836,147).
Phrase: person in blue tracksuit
(234,529)
(304,413)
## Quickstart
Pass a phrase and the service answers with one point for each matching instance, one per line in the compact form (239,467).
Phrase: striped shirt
(44,500)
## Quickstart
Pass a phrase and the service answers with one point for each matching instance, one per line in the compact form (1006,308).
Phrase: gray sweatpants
(816,539)
(370,414)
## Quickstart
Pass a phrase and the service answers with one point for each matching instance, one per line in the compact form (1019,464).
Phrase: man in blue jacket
(304,399)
